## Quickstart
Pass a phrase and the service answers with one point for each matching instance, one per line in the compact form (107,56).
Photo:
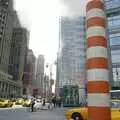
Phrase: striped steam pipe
(97,62)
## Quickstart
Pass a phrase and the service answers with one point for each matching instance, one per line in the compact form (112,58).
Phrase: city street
(23,114)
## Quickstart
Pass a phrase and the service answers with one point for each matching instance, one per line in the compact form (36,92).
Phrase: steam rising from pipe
(73,8)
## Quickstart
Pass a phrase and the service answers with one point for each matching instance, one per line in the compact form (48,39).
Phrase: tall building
(40,65)
(16,21)
(7,3)
(113,16)
(8,88)
(71,55)
(6,21)
(29,74)
(46,90)
(57,89)
(17,52)
(31,61)
(40,73)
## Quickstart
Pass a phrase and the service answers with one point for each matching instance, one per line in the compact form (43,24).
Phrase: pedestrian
(32,105)
(59,102)
(54,102)
(43,102)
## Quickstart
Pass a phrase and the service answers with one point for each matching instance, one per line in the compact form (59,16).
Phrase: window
(1,33)
(112,4)
(116,74)
(115,56)
(114,39)
(3,22)
(2,87)
(113,22)
(3,16)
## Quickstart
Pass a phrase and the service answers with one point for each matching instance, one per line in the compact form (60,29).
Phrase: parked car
(19,101)
(5,103)
(82,114)
(26,103)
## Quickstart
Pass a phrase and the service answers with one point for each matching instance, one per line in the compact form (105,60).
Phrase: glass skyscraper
(113,16)
(72,53)
(72,49)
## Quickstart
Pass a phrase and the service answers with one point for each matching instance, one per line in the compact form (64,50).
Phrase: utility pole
(97,62)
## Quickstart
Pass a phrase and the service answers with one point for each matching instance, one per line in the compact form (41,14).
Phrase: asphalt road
(23,114)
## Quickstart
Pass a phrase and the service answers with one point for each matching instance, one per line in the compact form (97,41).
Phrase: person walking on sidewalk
(59,102)
(32,105)
(54,101)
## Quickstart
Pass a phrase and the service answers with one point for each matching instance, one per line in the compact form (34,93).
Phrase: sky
(41,18)
(72,8)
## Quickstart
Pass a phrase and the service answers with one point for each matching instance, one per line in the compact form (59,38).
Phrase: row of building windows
(114,33)
(8,89)
(72,53)
(114,39)
(114,22)
(112,4)
(5,76)
(115,54)
(2,16)
(2,23)
(116,74)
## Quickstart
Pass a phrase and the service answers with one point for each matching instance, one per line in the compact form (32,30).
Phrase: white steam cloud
(24,19)
(23,12)
(73,7)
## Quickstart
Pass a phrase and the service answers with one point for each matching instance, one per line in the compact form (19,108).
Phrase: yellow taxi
(82,114)
(26,103)
(5,103)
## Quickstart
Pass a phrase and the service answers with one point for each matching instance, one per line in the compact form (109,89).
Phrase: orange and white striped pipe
(97,62)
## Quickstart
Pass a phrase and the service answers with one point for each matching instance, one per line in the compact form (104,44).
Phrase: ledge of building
(5,77)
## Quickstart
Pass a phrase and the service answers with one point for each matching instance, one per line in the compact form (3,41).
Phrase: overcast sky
(41,17)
